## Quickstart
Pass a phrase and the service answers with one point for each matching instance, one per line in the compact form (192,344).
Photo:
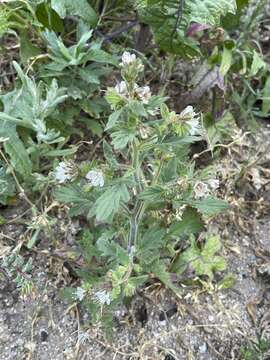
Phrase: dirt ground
(203,325)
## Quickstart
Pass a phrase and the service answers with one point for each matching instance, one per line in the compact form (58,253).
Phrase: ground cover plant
(90,128)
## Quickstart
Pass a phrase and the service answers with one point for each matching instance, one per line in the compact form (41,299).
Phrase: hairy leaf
(170,20)
(80,8)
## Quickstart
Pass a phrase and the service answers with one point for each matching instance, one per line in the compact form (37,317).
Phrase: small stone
(43,335)
(203,348)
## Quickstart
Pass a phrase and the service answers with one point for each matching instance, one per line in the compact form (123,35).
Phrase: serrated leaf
(113,118)
(109,202)
(27,49)
(152,193)
(100,56)
(109,248)
(74,195)
(204,262)
(109,155)
(160,271)
(95,127)
(137,108)
(191,223)
(209,205)
(170,20)
(149,244)
(121,138)
(80,8)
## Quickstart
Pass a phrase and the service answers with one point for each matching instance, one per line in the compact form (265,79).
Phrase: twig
(179,18)
(226,146)
(119,31)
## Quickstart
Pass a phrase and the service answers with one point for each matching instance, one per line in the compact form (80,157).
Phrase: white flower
(64,171)
(200,190)
(213,183)
(121,88)
(194,127)
(80,293)
(143,93)
(127,58)
(95,177)
(188,113)
(192,120)
(102,297)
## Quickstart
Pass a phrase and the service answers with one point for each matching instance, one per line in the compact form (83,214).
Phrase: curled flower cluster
(203,189)
(80,293)
(128,89)
(95,178)
(131,63)
(102,297)
(65,171)
(121,88)
(127,59)
(143,93)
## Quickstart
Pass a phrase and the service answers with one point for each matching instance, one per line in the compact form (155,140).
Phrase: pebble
(203,348)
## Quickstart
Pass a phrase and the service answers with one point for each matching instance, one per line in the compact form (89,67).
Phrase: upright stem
(139,206)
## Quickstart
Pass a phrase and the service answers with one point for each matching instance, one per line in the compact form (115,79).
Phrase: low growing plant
(143,198)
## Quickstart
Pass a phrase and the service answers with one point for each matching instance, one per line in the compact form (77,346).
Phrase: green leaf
(60,152)
(14,147)
(209,205)
(231,21)
(48,17)
(160,271)
(109,155)
(7,187)
(204,261)
(187,257)
(121,138)
(257,64)
(109,203)
(95,127)
(100,56)
(113,118)
(170,20)
(191,223)
(109,248)
(137,108)
(133,283)
(211,246)
(266,97)
(226,61)
(80,8)
(73,194)
(153,193)
(27,49)
(149,244)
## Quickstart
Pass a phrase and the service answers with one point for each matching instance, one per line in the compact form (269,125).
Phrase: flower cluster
(127,89)
(95,178)
(203,189)
(190,118)
(102,297)
(130,63)
(65,171)
(185,123)
(79,293)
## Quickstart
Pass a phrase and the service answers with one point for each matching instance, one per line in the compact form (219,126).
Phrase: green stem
(139,206)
